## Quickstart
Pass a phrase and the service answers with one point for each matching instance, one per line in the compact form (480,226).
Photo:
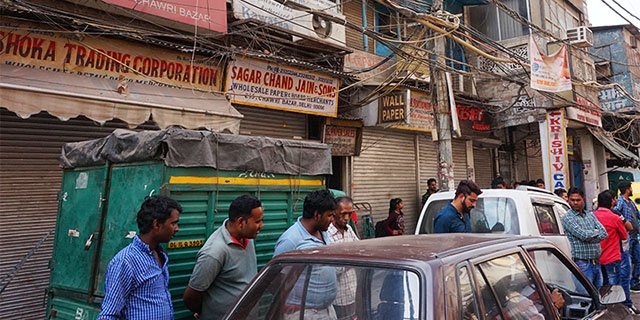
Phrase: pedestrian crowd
(604,245)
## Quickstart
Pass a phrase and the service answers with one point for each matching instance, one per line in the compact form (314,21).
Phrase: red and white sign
(557,150)
(549,73)
(586,112)
(268,85)
(420,113)
(207,14)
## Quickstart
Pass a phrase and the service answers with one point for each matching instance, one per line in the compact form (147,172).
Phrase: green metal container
(96,219)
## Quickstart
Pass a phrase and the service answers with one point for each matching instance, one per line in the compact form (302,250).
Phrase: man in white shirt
(340,231)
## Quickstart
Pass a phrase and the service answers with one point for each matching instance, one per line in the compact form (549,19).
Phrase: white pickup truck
(525,211)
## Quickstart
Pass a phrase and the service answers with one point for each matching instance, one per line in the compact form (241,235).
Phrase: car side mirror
(611,295)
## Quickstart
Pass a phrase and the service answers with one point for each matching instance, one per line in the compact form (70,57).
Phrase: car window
(314,291)
(560,209)
(547,223)
(557,275)
(467,303)
(430,214)
(491,215)
(495,215)
(515,290)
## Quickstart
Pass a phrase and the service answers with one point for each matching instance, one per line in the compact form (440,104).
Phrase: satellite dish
(321,26)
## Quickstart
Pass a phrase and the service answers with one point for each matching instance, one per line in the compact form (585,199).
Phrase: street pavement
(635,297)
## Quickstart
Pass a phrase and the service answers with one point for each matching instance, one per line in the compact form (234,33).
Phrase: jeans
(612,271)
(625,277)
(592,271)
(634,249)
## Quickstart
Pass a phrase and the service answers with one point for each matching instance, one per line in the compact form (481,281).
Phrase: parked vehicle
(525,211)
(446,276)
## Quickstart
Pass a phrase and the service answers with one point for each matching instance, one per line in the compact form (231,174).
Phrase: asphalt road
(635,297)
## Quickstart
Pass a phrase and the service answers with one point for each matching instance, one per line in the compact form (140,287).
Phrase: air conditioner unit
(581,36)
(325,30)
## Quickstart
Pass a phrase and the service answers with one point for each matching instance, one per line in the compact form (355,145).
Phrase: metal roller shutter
(272,123)
(459,150)
(428,160)
(482,163)
(29,182)
(352,10)
(384,170)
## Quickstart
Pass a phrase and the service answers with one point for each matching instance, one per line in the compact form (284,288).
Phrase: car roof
(417,248)
(515,193)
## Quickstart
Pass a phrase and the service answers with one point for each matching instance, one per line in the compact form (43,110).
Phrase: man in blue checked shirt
(585,233)
(629,211)
(137,278)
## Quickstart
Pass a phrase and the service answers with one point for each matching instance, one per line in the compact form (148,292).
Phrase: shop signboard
(392,107)
(586,112)
(420,113)
(273,86)
(343,140)
(102,58)
(557,150)
(358,60)
(474,121)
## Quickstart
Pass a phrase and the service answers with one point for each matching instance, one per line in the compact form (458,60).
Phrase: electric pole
(443,118)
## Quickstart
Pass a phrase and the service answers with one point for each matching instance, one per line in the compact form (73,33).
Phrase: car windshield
(322,291)
(491,215)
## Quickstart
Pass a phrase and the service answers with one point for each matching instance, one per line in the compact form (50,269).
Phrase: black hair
(623,186)
(344,199)
(318,201)
(393,203)
(155,208)
(575,190)
(539,181)
(431,180)
(496,182)
(605,200)
(467,187)
(241,207)
(531,183)
(559,192)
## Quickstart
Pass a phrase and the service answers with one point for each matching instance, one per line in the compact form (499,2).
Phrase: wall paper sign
(392,107)
(557,153)
(268,85)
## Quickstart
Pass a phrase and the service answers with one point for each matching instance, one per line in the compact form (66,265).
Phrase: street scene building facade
(400,91)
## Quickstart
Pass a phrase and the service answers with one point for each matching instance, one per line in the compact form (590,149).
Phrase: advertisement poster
(557,153)
(268,85)
(420,113)
(549,73)
(113,59)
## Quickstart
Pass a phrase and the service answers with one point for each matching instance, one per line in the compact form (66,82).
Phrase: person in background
(585,233)
(516,184)
(629,211)
(455,217)
(340,231)
(498,183)
(432,187)
(137,278)
(227,262)
(562,193)
(611,251)
(625,261)
(395,220)
(540,184)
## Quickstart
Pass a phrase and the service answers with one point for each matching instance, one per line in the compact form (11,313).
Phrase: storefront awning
(616,149)
(28,91)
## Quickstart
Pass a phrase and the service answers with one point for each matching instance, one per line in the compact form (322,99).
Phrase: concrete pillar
(590,168)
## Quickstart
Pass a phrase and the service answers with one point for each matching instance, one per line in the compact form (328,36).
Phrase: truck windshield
(322,291)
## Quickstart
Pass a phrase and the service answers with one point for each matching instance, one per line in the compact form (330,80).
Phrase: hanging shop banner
(268,85)
(207,14)
(420,113)
(107,59)
(473,121)
(585,112)
(549,73)
(557,149)
(343,140)
(392,107)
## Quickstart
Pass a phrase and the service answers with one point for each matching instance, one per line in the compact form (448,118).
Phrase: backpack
(381,229)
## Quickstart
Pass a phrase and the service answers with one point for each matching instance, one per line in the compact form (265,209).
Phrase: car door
(581,300)
(508,290)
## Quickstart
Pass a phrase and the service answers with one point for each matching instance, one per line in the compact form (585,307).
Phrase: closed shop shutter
(482,164)
(459,150)
(352,10)
(272,123)
(428,160)
(30,178)
(384,170)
